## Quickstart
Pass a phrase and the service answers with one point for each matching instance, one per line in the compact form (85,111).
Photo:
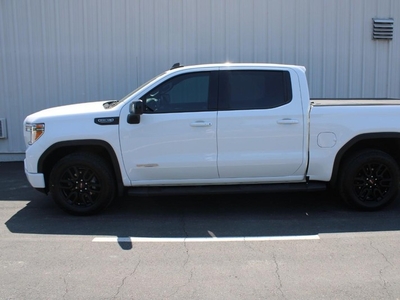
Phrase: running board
(226,189)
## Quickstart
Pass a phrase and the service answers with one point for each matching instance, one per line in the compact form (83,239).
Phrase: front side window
(254,89)
(183,93)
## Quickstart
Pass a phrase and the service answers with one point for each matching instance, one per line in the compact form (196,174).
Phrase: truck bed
(354,102)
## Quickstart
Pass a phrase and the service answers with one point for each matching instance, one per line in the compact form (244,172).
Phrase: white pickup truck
(216,128)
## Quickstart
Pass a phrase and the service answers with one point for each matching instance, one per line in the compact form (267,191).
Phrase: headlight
(35,131)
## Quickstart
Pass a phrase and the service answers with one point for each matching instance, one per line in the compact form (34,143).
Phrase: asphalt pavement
(254,246)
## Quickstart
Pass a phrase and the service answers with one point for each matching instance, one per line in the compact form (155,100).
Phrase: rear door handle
(200,124)
(288,121)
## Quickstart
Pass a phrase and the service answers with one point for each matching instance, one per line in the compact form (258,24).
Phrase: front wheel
(82,184)
(369,180)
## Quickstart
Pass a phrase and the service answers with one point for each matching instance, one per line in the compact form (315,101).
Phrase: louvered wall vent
(383,29)
(3,128)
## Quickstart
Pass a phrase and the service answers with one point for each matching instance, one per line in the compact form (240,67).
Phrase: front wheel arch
(61,149)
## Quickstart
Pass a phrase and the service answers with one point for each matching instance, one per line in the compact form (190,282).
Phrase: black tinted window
(254,89)
(183,93)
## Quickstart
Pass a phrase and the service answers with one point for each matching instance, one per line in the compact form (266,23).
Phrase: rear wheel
(369,180)
(82,184)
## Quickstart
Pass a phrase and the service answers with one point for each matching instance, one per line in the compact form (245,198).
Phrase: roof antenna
(176,65)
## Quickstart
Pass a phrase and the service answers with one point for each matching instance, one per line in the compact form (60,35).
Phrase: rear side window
(254,89)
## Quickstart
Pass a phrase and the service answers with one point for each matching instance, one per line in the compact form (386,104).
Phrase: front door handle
(200,124)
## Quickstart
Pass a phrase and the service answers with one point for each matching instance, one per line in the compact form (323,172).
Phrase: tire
(369,180)
(82,184)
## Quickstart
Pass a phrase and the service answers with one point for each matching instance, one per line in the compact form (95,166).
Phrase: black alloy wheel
(82,184)
(369,180)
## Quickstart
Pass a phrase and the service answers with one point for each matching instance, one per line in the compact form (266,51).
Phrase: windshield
(138,88)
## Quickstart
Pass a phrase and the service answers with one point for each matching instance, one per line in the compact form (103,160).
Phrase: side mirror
(135,110)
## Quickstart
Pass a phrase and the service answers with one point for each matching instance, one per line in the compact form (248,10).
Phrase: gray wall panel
(56,52)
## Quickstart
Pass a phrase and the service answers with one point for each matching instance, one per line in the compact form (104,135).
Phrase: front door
(175,141)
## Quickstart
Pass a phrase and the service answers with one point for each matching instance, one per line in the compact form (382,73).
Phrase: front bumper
(36,180)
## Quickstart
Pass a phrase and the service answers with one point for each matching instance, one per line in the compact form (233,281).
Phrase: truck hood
(71,110)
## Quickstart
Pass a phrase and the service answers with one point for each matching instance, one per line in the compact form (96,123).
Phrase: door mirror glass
(135,110)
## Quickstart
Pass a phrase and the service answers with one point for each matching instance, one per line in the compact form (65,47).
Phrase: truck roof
(237,65)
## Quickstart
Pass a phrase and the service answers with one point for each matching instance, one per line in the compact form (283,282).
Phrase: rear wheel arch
(388,142)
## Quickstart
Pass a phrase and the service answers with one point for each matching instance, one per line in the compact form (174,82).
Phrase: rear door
(260,126)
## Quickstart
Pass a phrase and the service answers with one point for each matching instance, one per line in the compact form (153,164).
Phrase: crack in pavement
(182,285)
(66,288)
(385,284)
(184,241)
(186,260)
(123,280)
(71,269)
(278,275)
(277,271)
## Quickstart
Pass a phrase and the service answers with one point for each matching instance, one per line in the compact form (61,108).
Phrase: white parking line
(127,239)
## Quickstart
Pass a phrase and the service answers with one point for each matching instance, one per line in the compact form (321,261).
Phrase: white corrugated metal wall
(55,52)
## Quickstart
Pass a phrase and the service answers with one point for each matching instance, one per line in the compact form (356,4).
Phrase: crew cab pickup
(216,128)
